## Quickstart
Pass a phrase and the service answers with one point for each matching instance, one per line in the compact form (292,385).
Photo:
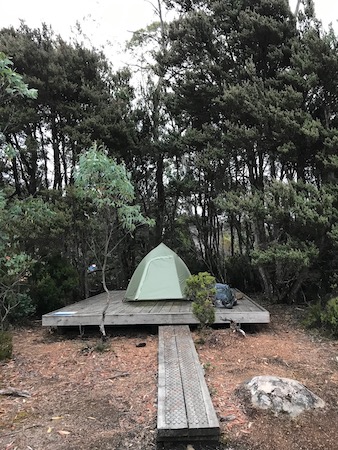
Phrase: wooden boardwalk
(168,312)
(185,410)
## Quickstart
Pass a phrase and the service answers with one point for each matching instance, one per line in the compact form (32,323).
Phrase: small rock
(228,418)
(190,447)
(141,344)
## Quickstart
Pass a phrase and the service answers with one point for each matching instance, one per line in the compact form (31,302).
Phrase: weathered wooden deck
(185,409)
(169,312)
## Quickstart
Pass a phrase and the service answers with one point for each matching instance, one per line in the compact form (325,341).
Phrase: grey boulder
(280,395)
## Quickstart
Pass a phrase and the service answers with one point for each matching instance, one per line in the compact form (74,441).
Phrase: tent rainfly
(161,275)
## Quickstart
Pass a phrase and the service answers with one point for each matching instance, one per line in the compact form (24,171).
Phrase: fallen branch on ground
(14,392)
(22,430)
(123,374)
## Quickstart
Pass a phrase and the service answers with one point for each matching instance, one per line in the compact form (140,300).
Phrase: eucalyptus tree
(108,209)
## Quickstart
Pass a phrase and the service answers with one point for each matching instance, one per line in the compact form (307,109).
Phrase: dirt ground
(83,396)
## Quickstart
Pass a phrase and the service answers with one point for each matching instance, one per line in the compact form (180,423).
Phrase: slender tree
(110,212)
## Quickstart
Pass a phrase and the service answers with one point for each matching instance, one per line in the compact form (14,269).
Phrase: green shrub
(53,284)
(201,290)
(329,317)
(6,346)
(24,310)
(102,347)
(241,273)
(313,317)
(324,317)
(15,307)
(204,312)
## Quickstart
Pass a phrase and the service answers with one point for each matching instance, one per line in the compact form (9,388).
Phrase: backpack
(224,297)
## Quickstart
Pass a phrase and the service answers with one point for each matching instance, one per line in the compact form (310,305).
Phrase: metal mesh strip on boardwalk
(185,409)
(171,401)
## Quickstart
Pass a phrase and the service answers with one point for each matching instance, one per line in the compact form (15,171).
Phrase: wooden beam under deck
(164,312)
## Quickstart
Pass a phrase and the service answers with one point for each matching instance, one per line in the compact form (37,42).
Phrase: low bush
(313,316)
(53,284)
(15,307)
(6,345)
(241,273)
(324,317)
(329,316)
(201,290)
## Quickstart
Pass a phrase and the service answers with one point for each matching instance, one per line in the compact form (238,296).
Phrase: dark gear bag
(224,296)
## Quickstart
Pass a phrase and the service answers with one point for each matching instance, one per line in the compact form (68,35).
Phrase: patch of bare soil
(83,397)
(282,349)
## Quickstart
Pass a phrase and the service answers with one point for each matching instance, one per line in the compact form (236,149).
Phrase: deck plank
(185,410)
(171,312)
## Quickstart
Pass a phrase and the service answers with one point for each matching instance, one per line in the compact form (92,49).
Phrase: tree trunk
(104,283)
(103,316)
(267,285)
(297,285)
(16,177)
(57,184)
(45,157)
(160,199)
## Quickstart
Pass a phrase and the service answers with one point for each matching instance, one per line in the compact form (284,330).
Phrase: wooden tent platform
(185,409)
(168,312)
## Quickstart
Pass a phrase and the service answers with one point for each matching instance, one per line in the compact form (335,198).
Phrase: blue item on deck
(224,296)
(92,268)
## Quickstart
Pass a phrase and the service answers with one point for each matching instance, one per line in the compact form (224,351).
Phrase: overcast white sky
(106,23)
(109,21)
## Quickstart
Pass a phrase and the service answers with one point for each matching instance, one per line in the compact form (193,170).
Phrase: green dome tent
(161,275)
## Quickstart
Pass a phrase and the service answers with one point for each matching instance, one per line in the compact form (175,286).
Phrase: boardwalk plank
(185,410)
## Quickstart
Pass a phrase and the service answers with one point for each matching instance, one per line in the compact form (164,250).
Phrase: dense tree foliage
(80,100)
(230,139)
(15,263)
(256,95)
